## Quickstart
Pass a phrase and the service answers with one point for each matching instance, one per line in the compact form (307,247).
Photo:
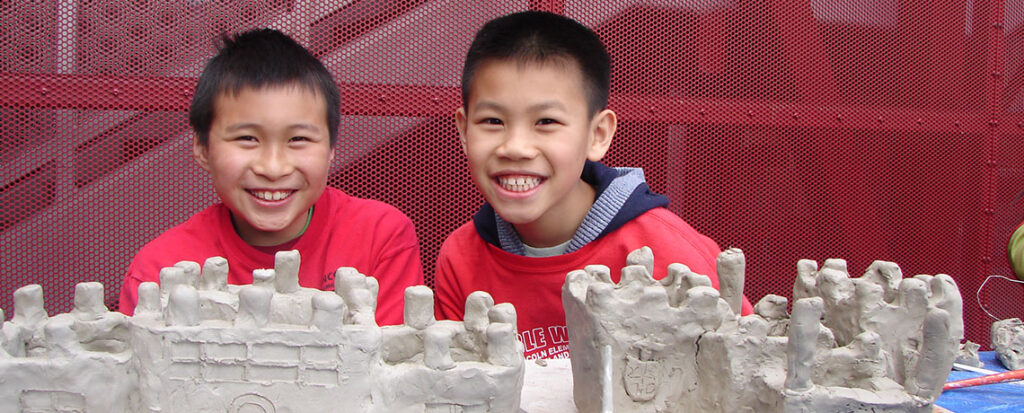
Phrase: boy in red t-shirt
(534,125)
(265,115)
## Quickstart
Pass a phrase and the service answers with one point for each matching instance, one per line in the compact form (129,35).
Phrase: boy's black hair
(535,36)
(257,59)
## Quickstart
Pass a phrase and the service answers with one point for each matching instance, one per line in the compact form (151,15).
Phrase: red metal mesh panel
(859,130)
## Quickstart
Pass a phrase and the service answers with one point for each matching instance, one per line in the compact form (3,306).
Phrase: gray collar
(600,215)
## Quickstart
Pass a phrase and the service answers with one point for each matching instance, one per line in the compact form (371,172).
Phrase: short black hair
(257,59)
(535,36)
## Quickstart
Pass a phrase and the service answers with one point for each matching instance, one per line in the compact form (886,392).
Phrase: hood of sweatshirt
(621,195)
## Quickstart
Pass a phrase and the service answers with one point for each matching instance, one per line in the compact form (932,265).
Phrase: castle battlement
(878,343)
(196,343)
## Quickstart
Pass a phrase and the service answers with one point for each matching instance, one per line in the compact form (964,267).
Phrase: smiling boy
(265,115)
(533,126)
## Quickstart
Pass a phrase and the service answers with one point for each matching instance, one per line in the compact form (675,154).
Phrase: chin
(273,228)
(516,218)
(268,226)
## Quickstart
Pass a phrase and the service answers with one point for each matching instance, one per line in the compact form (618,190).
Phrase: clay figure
(1008,342)
(196,343)
(880,342)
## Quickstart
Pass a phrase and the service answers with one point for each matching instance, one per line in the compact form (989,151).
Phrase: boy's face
(268,155)
(527,132)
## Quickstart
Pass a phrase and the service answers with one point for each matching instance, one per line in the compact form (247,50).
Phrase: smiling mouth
(270,195)
(518,183)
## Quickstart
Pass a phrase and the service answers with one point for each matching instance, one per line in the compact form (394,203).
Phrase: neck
(259,238)
(559,224)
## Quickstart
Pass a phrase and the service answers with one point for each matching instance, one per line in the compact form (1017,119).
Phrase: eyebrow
(550,104)
(247,125)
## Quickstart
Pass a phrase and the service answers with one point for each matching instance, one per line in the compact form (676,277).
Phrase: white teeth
(271,195)
(518,183)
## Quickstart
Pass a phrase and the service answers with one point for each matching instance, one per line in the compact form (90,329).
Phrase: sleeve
(1015,251)
(451,301)
(398,268)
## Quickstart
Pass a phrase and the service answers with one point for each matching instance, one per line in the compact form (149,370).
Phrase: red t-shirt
(373,237)
(533,285)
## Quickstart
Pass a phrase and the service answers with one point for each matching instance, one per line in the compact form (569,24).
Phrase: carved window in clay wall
(51,401)
(258,363)
(451,408)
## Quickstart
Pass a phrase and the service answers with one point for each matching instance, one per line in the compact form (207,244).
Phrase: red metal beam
(56,91)
(784,114)
(87,92)
(354,20)
(50,91)
(997,61)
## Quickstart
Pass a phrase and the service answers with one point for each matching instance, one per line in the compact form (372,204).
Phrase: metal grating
(861,130)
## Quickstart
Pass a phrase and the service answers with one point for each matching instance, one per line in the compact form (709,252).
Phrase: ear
(460,123)
(602,129)
(201,153)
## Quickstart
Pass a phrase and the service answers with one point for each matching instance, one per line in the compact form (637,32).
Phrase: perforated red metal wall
(878,129)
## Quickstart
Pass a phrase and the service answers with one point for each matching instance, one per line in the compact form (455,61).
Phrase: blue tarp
(1001,397)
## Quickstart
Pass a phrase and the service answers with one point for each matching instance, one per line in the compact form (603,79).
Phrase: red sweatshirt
(467,263)
(345,231)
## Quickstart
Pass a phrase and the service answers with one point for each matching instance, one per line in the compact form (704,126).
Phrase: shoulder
(349,211)
(662,220)
(459,241)
(463,261)
(669,236)
(464,248)
(203,225)
(193,238)
(355,206)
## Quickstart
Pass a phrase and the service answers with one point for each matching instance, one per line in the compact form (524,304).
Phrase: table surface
(547,387)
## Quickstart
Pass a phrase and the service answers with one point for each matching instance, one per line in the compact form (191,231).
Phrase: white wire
(977,295)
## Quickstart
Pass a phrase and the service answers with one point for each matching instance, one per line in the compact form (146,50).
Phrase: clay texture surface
(968,354)
(1008,342)
(878,343)
(196,343)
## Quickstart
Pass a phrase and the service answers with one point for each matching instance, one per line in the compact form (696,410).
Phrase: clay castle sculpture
(878,343)
(197,344)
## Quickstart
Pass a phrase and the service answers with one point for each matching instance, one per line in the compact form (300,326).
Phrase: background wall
(869,129)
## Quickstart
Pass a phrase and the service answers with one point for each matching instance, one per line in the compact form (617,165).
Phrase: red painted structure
(882,129)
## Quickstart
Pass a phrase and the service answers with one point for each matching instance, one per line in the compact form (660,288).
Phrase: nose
(517,143)
(273,163)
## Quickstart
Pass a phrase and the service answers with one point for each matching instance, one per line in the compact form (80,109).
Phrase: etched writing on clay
(196,343)
(1008,342)
(878,343)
